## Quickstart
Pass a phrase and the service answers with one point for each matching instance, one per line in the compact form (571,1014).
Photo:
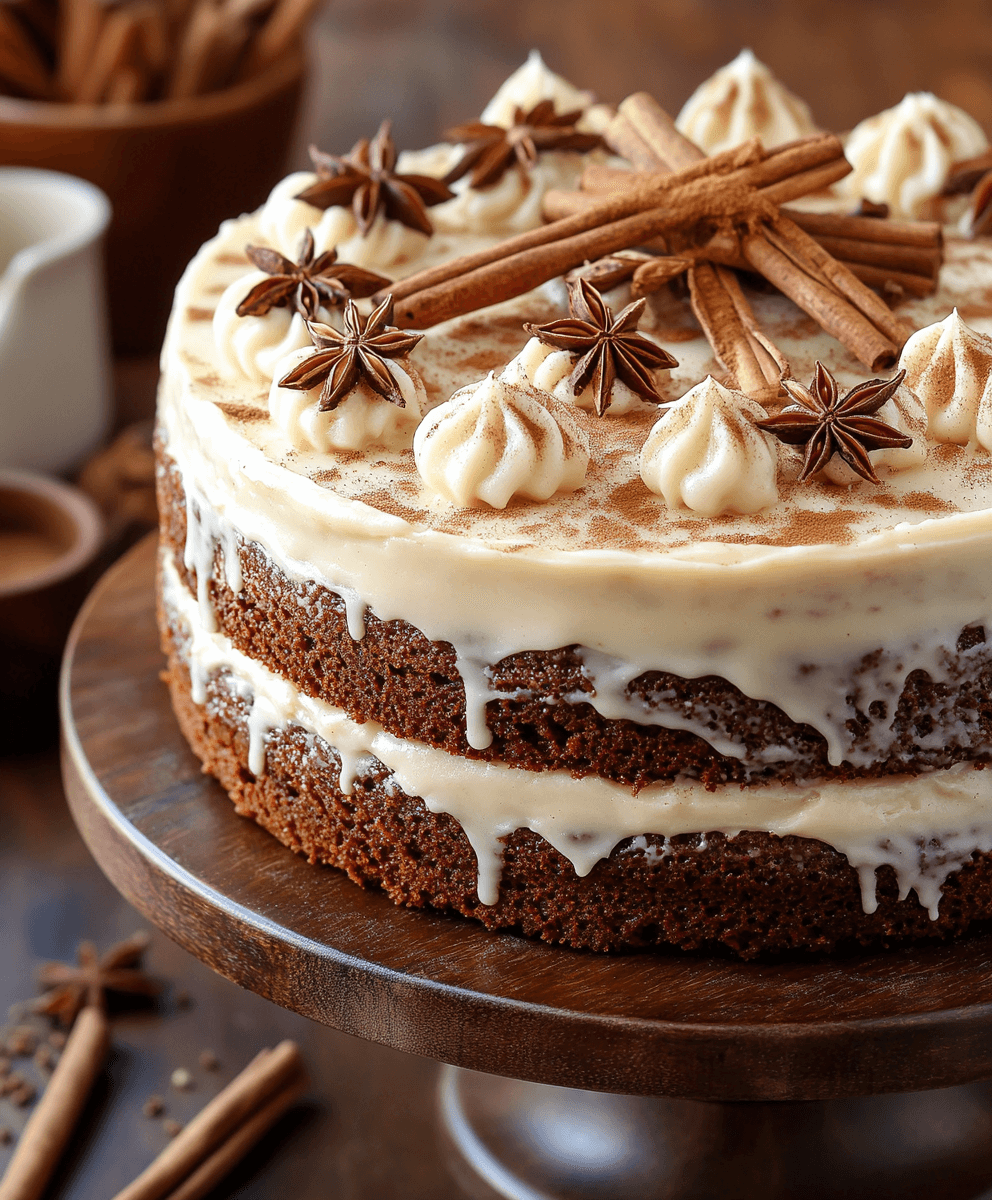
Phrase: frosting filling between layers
(924,827)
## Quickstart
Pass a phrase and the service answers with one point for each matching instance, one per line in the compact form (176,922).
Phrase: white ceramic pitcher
(55,379)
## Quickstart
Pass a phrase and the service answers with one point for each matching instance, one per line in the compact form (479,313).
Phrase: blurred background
(427,63)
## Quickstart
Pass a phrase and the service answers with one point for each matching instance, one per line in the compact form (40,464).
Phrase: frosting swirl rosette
(949,366)
(901,156)
(706,453)
(740,101)
(497,439)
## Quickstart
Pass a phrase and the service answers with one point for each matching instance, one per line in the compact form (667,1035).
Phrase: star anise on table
(69,988)
(491,149)
(827,424)
(307,284)
(365,179)
(607,348)
(341,360)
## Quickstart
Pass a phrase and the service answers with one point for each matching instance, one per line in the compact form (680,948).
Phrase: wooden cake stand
(662,1047)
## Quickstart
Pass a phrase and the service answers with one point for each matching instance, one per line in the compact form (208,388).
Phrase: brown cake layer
(411,686)
(752,893)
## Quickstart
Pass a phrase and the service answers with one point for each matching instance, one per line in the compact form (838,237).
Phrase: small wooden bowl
(49,534)
(173,169)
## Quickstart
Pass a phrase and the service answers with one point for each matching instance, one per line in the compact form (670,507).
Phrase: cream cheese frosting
(497,439)
(707,453)
(828,573)
(740,101)
(901,156)
(950,366)
(873,823)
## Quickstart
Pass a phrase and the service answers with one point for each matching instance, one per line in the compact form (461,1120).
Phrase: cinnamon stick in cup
(49,1126)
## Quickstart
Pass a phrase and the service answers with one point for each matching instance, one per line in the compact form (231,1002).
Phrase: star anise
(341,360)
(307,284)
(365,179)
(491,149)
(69,988)
(607,348)
(827,424)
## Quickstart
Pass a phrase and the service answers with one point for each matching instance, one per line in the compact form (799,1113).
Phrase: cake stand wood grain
(640,1025)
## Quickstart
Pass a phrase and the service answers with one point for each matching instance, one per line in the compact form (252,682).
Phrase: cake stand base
(532,1141)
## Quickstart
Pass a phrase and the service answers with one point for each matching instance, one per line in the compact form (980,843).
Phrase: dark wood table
(691,1029)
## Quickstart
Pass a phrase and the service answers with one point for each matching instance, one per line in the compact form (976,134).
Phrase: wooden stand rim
(307,938)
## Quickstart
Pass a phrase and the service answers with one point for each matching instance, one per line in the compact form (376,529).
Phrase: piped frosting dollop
(707,454)
(283,220)
(529,85)
(362,420)
(497,439)
(549,370)
(250,347)
(949,366)
(901,156)
(740,101)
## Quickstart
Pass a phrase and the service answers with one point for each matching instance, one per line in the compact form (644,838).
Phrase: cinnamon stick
(834,313)
(193,64)
(729,325)
(278,34)
(917,260)
(50,1125)
(925,234)
(657,130)
(115,49)
(268,1074)
(801,247)
(878,277)
(81,23)
(623,139)
(214,1168)
(20,62)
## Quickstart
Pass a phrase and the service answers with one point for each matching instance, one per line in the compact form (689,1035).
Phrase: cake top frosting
(533,426)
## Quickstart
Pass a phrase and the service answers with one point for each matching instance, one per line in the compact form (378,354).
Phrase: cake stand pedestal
(647,1075)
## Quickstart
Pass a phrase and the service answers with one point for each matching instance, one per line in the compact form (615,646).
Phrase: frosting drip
(949,365)
(497,439)
(362,420)
(740,101)
(706,453)
(901,156)
(924,827)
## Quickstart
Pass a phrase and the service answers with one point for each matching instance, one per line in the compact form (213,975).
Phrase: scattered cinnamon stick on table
(224,1130)
(50,1125)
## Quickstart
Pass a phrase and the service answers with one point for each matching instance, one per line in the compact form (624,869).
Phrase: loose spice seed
(181,1080)
(11,1083)
(208,1060)
(6,1137)
(57,1039)
(24,1095)
(172,1127)
(154,1106)
(44,1058)
(22,1041)
(4,1067)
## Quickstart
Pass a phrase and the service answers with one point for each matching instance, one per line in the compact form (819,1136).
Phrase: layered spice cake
(588,530)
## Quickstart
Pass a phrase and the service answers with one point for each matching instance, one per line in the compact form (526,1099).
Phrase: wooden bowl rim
(213,106)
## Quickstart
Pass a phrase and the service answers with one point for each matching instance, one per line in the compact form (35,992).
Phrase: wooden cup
(173,169)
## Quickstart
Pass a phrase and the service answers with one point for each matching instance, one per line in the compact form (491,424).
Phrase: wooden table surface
(366,1129)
